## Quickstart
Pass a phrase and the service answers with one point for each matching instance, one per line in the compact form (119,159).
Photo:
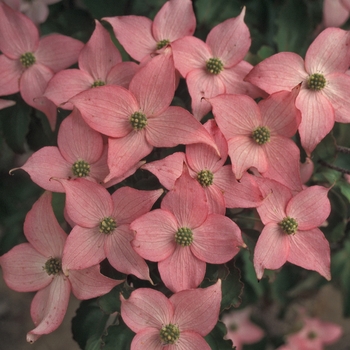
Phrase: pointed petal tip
(12,170)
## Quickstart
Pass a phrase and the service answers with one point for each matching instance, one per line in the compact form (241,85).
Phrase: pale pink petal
(18,34)
(310,208)
(328,332)
(191,340)
(6,103)
(122,73)
(217,240)
(230,40)
(49,307)
(99,54)
(155,235)
(310,250)
(22,269)
(146,308)
(122,256)
(37,11)
(58,51)
(135,35)
(182,270)
(10,73)
(329,52)
(147,338)
(197,310)
(282,71)
(271,250)
(90,283)
(84,248)
(335,13)
(317,118)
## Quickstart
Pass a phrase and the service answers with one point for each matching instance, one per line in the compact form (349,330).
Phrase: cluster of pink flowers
(121,111)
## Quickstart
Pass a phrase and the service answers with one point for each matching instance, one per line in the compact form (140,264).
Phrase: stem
(337,168)
(343,149)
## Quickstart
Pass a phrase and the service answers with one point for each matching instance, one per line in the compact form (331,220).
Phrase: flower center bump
(98,83)
(170,334)
(184,236)
(261,135)
(289,225)
(316,82)
(53,266)
(107,225)
(81,168)
(162,43)
(138,121)
(214,65)
(205,178)
(27,59)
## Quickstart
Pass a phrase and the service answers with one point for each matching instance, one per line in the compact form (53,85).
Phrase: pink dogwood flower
(179,322)
(323,98)
(141,37)
(335,12)
(100,64)
(291,230)
(36,266)
(27,63)
(182,236)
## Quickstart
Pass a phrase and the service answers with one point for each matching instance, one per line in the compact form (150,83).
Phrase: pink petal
(271,250)
(310,208)
(6,103)
(122,73)
(335,13)
(329,52)
(22,269)
(49,307)
(18,34)
(197,310)
(155,235)
(135,35)
(191,340)
(310,250)
(146,308)
(148,338)
(58,51)
(10,73)
(37,11)
(181,270)
(215,198)
(217,240)
(90,283)
(99,54)
(230,40)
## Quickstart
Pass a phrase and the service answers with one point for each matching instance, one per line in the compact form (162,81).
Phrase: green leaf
(216,338)
(106,8)
(118,337)
(265,52)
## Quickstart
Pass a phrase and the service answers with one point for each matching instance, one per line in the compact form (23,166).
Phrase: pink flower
(182,236)
(179,322)
(36,266)
(335,12)
(290,232)
(27,63)
(240,329)
(323,97)
(141,37)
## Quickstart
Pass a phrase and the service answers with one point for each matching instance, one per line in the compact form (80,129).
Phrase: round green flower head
(205,178)
(316,82)
(98,83)
(214,65)
(107,225)
(184,236)
(53,266)
(169,334)
(312,335)
(261,135)
(138,121)
(81,168)
(289,225)
(27,59)
(162,43)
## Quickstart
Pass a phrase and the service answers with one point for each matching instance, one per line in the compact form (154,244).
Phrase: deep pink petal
(310,250)
(122,73)
(217,240)
(146,308)
(49,307)
(10,73)
(230,40)
(90,283)
(310,207)
(271,250)
(155,235)
(182,270)
(147,338)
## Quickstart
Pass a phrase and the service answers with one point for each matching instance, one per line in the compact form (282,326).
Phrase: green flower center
(316,82)
(214,65)
(53,266)
(138,121)
(184,236)
(81,168)
(312,335)
(162,43)
(107,225)
(261,135)
(233,327)
(98,83)
(205,178)
(169,334)
(289,225)
(27,59)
